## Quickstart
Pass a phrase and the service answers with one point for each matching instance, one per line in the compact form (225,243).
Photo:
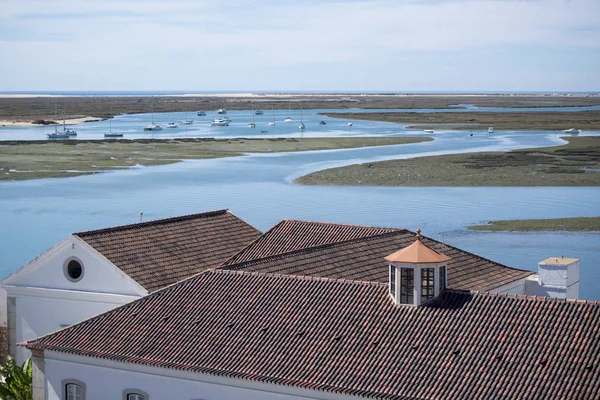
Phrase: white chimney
(559,277)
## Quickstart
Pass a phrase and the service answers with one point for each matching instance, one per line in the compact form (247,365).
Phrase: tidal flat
(39,108)
(577,224)
(21,160)
(574,164)
(551,120)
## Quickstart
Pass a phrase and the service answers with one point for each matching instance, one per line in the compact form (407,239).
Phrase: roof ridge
(154,222)
(313,248)
(224,263)
(296,277)
(340,224)
(471,254)
(527,297)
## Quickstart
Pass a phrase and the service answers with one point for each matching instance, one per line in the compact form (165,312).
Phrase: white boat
(258,112)
(349,123)
(252,124)
(219,122)
(322,122)
(110,134)
(572,130)
(301,126)
(171,125)
(186,121)
(428,131)
(65,134)
(222,111)
(289,119)
(153,126)
(272,123)
(490,130)
(202,113)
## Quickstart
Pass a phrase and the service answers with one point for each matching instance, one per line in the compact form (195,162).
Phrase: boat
(219,122)
(428,131)
(153,126)
(572,131)
(222,111)
(349,123)
(264,131)
(252,124)
(59,135)
(301,126)
(186,121)
(490,130)
(272,123)
(110,133)
(171,125)
(322,122)
(202,113)
(258,112)
(289,119)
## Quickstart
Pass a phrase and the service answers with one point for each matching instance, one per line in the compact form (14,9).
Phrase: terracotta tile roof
(417,253)
(363,258)
(290,235)
(348,337)
(159,253)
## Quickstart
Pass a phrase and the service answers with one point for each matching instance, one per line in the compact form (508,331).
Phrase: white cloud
(142,37)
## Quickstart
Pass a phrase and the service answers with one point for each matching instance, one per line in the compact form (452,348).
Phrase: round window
(73,269)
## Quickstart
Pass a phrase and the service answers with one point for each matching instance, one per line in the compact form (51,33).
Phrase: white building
(310,317)
(91,272)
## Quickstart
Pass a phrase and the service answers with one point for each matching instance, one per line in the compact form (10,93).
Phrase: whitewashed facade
(41,297)
(102,379)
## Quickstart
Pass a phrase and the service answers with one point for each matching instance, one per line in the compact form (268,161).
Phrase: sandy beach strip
(70,121)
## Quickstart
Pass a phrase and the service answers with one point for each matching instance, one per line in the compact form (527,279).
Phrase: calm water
(34,215)
(132,125)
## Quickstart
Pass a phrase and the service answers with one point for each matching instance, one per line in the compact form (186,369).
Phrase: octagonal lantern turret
(417,273)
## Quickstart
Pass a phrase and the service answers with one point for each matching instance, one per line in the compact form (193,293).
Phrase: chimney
(559,277)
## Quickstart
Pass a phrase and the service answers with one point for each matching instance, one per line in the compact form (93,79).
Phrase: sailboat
(252,124)
(272,123)
(289,119)
(301,126)
(56,134)
(110,133)
(153,126)
(186,121)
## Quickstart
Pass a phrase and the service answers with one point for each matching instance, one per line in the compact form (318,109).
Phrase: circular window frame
(66,269)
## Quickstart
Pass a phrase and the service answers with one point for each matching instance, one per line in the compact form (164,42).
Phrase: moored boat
(202,113)
(428,131)
(490,130)
(219,122)
(572,131)
(171,125)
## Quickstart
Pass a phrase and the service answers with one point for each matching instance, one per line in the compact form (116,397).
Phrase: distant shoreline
(29,107)
(576,224)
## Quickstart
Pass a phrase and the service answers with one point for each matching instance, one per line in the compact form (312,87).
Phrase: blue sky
(269,45)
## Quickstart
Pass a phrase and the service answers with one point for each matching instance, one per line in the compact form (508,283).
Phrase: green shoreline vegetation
(43,108)
(556,121)
(574,164)
(577,224)
(21,160)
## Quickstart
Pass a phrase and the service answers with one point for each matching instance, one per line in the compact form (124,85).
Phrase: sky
(300,45)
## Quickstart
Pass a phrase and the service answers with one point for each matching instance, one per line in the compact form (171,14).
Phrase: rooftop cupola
(417,273)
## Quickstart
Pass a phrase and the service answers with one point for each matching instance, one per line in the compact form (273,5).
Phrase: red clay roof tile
(355,252)
(349,337)
(159,253)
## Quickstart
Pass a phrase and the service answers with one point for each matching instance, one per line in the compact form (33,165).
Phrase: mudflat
(574,164)
(577,224)
(551,120)
(42,108)
(20,160)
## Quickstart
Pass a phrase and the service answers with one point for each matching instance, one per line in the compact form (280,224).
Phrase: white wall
(99,276)
(516,287)
(46,300)
(107,380)
(41,312)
